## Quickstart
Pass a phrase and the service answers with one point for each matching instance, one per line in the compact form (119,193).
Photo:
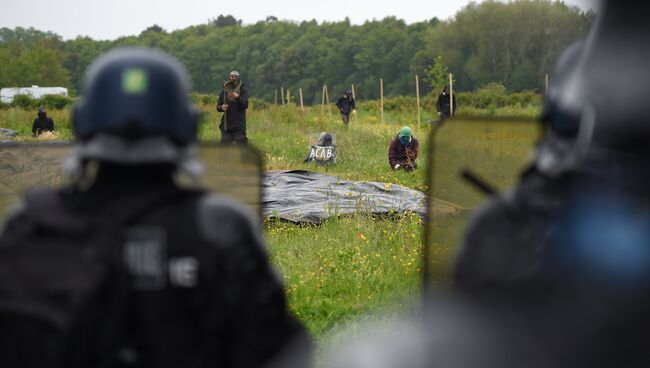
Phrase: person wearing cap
(346,104)
(403,150)
(42,123)
(233,102)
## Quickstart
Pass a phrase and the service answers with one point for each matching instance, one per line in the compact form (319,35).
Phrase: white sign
(319,153)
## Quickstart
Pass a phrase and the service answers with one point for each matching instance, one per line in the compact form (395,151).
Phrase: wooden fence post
(282,93)
(381,98)
(417,98)
(327,101)
(451,95)
(276,96)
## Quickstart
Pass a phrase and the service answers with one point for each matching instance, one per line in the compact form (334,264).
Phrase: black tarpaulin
(304,196)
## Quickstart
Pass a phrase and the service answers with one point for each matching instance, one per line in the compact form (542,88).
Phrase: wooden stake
(302,106)
(417,98)
(327,96)
(322,103)
(381,98)
(288,97)
(282,93)
(276,96)
(451,95)
(327,101)
(322,108)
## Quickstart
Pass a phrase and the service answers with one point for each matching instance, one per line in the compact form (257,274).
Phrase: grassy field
(348,268)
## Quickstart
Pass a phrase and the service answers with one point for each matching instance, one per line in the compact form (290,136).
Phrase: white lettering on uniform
(183,272)
(329,153)
(312,153)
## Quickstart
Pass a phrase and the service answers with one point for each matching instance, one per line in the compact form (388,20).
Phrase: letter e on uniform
(183,272)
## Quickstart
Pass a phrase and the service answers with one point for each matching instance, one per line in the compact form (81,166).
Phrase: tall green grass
(350,267)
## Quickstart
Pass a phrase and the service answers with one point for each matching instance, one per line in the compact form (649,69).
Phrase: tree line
(512,43)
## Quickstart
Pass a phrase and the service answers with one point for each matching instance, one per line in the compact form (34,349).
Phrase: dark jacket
(346,104)
(443,104)
(405,155)
(41,124)
(234,119)
(220,303)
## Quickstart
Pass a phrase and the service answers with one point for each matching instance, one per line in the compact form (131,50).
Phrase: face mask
(404,140)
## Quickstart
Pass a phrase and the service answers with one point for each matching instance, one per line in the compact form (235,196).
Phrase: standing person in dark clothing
(42,123)
(444,104)
(186,280)
(346,104)
(233,102)
(403,150)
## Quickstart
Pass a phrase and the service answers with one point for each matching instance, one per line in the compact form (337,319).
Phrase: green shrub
(257,104)
(368,105)
(27,102)
(24,102)
(494,95)
(53,102)
(203,99)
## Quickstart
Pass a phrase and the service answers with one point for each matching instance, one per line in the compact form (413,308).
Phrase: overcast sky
(110,19)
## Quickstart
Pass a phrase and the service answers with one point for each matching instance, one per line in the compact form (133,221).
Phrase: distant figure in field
(42,123)
(444,106)
(346,104)
(403,150)
(233,102)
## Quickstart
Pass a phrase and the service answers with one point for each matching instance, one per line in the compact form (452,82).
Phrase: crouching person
(403,150)
(123,268)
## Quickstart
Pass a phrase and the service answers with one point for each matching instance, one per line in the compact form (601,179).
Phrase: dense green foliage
(512,43)
(27,102)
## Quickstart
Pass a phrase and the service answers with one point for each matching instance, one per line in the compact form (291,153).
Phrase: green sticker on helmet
(135,81)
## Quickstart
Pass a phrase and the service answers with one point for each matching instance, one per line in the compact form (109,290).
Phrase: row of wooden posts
(326,98)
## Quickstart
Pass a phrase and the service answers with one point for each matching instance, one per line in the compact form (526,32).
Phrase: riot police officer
(199,288)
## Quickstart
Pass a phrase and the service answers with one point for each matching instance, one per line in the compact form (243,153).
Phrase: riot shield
(233,171)
(468,162)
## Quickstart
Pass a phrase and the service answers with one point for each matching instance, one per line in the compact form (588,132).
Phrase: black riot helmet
(135,108)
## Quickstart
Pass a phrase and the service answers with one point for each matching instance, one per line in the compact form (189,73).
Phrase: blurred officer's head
(135,110)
